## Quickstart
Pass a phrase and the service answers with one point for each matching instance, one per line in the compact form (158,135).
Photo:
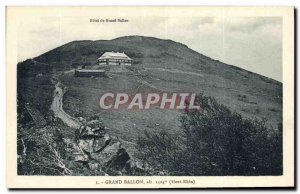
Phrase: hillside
(159,65)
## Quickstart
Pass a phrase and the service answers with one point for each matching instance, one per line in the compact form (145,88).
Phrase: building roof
(114,55)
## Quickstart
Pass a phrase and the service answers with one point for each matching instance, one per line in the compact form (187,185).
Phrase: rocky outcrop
(99,152)
(93,147)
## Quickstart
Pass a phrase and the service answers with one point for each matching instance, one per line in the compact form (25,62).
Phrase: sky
(252,43)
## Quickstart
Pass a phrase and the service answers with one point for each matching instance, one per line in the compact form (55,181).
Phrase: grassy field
(83,95)
(252,98)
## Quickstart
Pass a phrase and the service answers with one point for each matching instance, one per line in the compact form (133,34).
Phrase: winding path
(57,108)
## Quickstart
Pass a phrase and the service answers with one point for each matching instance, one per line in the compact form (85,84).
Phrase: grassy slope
(37,91)
(123,123)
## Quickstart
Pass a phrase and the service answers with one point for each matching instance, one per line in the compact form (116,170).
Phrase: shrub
(41,152)
(162,150)
(217,142)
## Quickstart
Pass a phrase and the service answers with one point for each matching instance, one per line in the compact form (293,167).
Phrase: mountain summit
(171,66)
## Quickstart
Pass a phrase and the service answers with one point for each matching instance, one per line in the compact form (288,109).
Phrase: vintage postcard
(150,97)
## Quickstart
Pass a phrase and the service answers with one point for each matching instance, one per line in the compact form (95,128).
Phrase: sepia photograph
(150,97)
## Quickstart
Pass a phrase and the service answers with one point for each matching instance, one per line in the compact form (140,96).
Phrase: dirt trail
(175,71)
(57,108)
(141,81)
(57,105)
